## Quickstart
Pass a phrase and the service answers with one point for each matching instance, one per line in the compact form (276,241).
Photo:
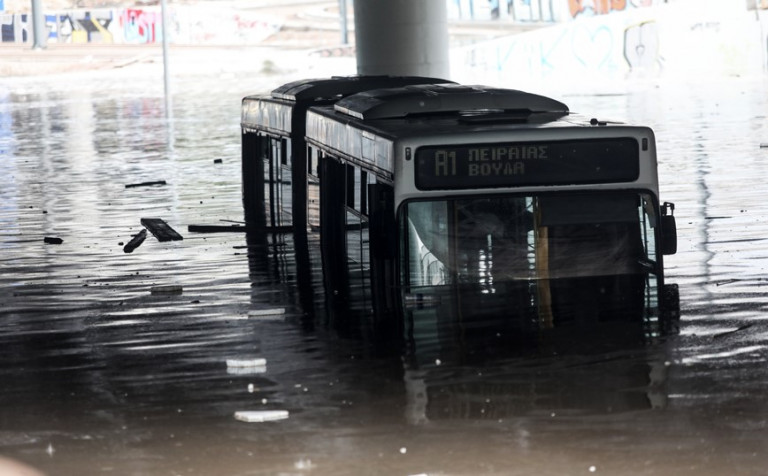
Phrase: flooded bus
(274,170)
(470,204)
(274,182)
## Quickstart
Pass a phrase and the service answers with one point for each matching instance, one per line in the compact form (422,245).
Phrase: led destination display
(527,163)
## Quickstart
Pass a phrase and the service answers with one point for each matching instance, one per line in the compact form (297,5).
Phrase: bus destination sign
(527,163)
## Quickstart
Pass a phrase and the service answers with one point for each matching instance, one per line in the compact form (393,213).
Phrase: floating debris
(277,314)
(167,289)
(244,363)
(217,161)
(160,229)
(136,241)
(764,145)
(145,184)
(52,240)
(216,228)
(261,416)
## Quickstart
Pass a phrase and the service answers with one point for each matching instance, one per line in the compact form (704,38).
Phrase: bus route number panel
(527,163)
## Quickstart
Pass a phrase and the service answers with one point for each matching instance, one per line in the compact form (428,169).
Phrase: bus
(273,147)
(470,203)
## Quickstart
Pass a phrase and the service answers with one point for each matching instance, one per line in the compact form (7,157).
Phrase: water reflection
(103,376)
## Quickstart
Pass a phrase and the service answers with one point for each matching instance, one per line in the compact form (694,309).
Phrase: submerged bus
(470,203)
(273,148)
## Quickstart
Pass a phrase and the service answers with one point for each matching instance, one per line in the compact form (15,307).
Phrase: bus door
(590,252)
(471,257)
(382,239)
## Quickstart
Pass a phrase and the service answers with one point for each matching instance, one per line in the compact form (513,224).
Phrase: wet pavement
(106,370)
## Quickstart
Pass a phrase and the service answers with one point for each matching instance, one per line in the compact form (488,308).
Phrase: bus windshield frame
(483,245)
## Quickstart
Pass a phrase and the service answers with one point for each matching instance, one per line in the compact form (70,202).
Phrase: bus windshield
(561,251)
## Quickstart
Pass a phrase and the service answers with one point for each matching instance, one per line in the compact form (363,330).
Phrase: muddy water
(102,376)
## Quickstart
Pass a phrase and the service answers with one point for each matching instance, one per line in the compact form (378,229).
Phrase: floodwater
(101,375)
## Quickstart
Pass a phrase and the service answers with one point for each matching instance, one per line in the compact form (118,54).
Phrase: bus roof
(445,98)
(337,87)
(274,112)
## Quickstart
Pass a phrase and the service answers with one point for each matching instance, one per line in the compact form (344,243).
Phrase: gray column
(402,37)
(39,30)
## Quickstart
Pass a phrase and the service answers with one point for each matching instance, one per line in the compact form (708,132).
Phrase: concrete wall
(684,38)
(188,25)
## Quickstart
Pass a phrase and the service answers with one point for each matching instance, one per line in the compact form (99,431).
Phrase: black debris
(51,240)
(217,161)
(216,228)
(136,241)
(145,184)
(160,229)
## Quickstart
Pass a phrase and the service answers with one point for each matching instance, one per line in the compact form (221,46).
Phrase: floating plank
(136,241)
(261,416)
(277,314)
(216,228)
(145,184)
(167,289)
(161,229)
(256,362)
(238,229)
(237,363)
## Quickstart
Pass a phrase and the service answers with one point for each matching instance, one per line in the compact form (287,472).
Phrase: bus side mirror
(668,229)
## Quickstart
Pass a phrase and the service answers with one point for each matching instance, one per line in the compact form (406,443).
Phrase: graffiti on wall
(641,47)
(603,7)
(142,26)
(597,49)
(14,28)
(76,27)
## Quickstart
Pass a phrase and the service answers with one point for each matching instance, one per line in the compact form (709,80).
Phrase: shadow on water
(102,375)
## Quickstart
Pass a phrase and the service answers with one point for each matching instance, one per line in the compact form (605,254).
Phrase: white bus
(471,202)
(273,148)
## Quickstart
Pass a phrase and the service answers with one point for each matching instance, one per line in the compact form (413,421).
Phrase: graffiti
(140,26)
(78,27)
(592,47)
(15,28)
(95,27)
(595,7)
(641,46)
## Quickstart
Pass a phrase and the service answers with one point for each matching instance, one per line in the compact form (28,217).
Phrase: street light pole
(343,17)
(166,74)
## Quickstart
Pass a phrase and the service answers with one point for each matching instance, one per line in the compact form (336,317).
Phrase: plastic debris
(261,416)
(167,289)
(51,240)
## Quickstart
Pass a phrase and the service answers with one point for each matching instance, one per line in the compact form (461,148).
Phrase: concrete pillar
(39,30)
(402,37)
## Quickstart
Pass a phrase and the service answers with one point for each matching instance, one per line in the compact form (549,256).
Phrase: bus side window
(350,186)
(313,189)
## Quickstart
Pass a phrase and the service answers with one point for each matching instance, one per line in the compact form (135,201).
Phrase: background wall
(187,25)
(683,38)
